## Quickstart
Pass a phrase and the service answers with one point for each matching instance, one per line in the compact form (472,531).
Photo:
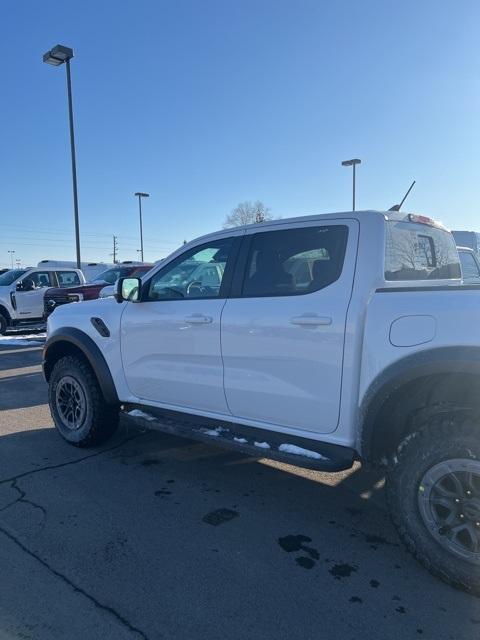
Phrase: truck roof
(372,213)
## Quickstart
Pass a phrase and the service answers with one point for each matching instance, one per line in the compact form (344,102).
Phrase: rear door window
(294,261)
(419,252)
(67,278)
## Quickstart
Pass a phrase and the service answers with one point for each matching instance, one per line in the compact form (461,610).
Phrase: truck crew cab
(21,293)
(316,341)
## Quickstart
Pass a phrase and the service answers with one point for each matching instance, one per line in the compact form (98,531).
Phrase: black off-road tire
(3,324)
(416,455)
(99,420)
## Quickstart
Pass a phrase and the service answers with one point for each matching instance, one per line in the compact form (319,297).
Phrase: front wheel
(433,494)
(77,405)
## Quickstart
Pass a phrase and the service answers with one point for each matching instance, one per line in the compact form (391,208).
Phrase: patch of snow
(262,445)
(213,432)
(241,440)
(299,451)
(138,413)
(25,340)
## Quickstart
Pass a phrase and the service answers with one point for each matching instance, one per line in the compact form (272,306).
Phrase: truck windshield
(420,252)
(110,276)
(10,276)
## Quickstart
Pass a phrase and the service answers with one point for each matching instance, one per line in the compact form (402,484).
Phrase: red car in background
(55,297)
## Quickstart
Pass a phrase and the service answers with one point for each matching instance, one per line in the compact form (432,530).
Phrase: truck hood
(66,312)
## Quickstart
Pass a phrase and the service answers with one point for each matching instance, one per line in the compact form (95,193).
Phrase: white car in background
(107,292)
(470,265)
(22,291)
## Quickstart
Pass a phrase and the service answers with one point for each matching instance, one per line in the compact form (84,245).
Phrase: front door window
(197,274)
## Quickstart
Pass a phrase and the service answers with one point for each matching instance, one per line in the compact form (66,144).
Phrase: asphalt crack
(113,612)
(24,500)
(60,465)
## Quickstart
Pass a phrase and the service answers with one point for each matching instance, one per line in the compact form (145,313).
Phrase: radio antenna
(397,207)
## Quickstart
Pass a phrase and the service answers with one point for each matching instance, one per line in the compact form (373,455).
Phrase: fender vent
(101,327)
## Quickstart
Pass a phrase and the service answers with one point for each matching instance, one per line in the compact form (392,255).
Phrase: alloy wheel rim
(449,503)
(71,402)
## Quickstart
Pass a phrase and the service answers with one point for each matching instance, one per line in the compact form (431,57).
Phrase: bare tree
(247,213)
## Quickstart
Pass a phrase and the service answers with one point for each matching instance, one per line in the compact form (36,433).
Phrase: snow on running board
(136,413)
(298,451)
(213,432)
(241,440)
(262,445)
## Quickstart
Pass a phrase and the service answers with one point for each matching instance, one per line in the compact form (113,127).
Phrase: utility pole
(11,255)
(115,249)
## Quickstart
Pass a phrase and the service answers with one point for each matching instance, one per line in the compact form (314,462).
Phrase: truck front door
(29,300)
(170,341)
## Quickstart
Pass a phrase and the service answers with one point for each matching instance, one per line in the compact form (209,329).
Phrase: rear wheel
(433,492)
(3,325)
(77,405)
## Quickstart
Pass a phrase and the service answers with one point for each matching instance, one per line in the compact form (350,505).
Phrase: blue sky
(205,104)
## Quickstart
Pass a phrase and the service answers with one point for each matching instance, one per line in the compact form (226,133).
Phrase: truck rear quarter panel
(400,323)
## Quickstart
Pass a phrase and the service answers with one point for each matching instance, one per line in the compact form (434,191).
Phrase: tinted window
(67,278)
(419,252)
(40,279)
(294,261)
(469,266)
(10,276)
(110,276)
(198,273)
(138,272)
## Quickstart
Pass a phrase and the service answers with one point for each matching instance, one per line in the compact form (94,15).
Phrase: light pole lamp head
(142,195)
(58,55)
(349,163)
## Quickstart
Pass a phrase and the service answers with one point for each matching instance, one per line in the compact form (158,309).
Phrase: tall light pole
(352,163)
(11,256)
(140,196)
(56,57)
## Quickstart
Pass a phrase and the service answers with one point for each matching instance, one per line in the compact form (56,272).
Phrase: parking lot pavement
(156,537)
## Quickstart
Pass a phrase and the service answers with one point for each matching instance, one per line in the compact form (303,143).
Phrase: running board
(301,452)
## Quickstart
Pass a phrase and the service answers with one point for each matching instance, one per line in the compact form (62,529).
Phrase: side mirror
(25,285)
(127,289)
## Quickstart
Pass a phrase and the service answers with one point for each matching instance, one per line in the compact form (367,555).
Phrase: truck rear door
(283,331)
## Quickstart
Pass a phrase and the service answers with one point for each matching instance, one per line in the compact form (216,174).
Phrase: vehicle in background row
(315,341)
(470,265)
(470,239)
(2,271)
(58,296)
(21,293)
(90,269)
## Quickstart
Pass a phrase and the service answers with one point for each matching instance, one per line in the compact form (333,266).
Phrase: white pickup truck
(317,341)
(22,290)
